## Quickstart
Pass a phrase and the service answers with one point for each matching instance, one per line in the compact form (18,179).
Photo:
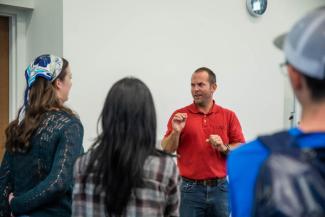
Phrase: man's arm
(170,143)
(236,137)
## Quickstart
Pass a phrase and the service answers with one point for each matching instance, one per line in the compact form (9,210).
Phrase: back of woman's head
(40,96)
(129,114)
(128,137)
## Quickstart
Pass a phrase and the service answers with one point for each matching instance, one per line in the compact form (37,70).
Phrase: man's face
(201,89)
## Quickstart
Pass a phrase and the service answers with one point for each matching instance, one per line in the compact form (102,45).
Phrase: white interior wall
(163,42)
(36,28)
(17,11)
(23,4)
(44,33)
(45,29)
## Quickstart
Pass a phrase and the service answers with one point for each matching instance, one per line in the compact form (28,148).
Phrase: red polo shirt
(197,159)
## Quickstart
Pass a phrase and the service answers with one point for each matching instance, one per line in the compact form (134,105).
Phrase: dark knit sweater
(41,179)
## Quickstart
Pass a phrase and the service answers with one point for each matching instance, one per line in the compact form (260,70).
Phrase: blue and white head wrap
(47,66)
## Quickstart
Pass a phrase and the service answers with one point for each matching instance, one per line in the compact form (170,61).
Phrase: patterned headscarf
(47,66)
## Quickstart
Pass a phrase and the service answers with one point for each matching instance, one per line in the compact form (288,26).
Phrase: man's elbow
(166,148)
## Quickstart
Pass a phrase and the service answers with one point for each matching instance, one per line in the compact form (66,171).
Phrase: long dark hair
(42,98)
(128,137)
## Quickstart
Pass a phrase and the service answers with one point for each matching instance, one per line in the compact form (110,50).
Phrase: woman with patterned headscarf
(42,144)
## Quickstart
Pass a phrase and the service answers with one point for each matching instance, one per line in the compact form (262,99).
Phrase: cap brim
(279,41)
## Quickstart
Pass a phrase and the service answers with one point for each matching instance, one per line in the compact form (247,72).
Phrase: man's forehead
(202,76)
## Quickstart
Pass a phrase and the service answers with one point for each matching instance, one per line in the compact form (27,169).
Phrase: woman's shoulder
(60,117)
(163,156)
(161,163)
(82,162)
(56,122)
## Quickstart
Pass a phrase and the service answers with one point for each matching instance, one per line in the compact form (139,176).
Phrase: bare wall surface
(36,27)
(45,26)
(163,42)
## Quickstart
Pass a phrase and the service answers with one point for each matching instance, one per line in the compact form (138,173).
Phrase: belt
(205,182)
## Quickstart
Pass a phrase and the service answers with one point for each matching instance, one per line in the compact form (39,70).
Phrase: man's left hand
(217,143)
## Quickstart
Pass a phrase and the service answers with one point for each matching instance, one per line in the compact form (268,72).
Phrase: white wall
(36,28)
(45,29)
(17,49)
(163,42)
(22,4)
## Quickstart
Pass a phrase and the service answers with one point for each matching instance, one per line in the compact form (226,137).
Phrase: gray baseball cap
(304,45)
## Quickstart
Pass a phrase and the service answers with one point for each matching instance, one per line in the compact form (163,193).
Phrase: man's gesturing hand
(179,121)
(217,143)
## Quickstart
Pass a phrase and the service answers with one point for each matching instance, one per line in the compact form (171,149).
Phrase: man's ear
(295,78)
(214,87)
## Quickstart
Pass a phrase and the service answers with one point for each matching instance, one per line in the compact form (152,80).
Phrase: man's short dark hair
(212,76)
(317,88)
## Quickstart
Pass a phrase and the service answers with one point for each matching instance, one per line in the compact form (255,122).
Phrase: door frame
(4,82)
(17,54)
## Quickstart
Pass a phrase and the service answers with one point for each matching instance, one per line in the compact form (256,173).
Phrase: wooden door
(4,80)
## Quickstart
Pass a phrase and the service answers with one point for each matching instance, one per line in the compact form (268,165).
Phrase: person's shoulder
(61,118)
(69,117)
(161,161)
(168,159)
(250,155)
(257,145)
(225,110)
(162,157)
(184,109)
(247,152)
(82,162)
(246,147)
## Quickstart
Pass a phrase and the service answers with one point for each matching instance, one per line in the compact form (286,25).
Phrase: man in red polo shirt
(202,134)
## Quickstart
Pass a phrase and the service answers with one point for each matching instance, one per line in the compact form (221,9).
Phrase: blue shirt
(244,164)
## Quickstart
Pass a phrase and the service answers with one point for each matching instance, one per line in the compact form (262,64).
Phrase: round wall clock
(256,7)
